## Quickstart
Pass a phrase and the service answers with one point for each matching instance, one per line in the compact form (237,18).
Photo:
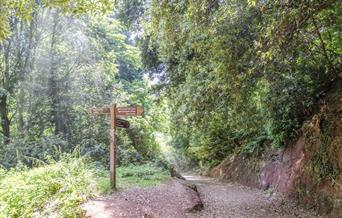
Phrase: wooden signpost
(122,123)
(114,111)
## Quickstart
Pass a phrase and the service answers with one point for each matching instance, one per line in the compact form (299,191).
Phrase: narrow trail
(178,199)
(222,200)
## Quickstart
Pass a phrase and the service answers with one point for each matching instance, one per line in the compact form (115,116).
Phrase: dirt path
(223,200)
(175,198)
(172,199)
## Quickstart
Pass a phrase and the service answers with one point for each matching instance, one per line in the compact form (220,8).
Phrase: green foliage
(81,63)
(254,147)
(57,188)
(33,152)
(141,175)
(130,12)
(235,70)
(323,164)
(231,75)
(25,10)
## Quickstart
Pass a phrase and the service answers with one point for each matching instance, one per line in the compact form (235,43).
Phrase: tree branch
(322,44)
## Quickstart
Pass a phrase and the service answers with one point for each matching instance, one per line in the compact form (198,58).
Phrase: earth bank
(308,169)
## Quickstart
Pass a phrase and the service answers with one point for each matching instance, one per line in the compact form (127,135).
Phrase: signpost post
(112,147)
(115,111)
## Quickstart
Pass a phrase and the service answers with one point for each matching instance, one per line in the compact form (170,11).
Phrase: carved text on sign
(129,111)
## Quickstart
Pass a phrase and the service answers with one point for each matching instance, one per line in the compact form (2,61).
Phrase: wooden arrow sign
(129,111)
(122,123)
(99,111)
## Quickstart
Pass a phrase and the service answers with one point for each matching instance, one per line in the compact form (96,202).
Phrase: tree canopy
(25,10)
(234,76)
(53,69)
(239,73)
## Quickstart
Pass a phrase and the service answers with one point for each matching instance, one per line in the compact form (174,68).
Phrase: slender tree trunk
(54,92)
(52,78)
(20,106)
(27,67)
(323,47)
(5,121)
(135,142)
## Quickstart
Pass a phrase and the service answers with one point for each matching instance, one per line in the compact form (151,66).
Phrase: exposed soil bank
(308,169)
(172,199)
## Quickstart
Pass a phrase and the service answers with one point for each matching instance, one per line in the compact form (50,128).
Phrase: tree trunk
(20,106)
(54,89)
(5,121)
(27,67)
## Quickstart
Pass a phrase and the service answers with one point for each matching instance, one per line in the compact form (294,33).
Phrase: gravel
(232,200)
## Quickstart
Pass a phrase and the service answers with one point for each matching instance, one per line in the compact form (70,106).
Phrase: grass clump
(132,176)
(141,175)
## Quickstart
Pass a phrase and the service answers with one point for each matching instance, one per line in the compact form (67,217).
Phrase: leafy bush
(31,152)
(254,147)
(60,187)
(57,188)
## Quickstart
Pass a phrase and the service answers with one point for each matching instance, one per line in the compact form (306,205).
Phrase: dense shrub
(58,188)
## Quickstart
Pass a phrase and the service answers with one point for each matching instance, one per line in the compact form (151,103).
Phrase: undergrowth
(58,188)
(324,160)
(142,176)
